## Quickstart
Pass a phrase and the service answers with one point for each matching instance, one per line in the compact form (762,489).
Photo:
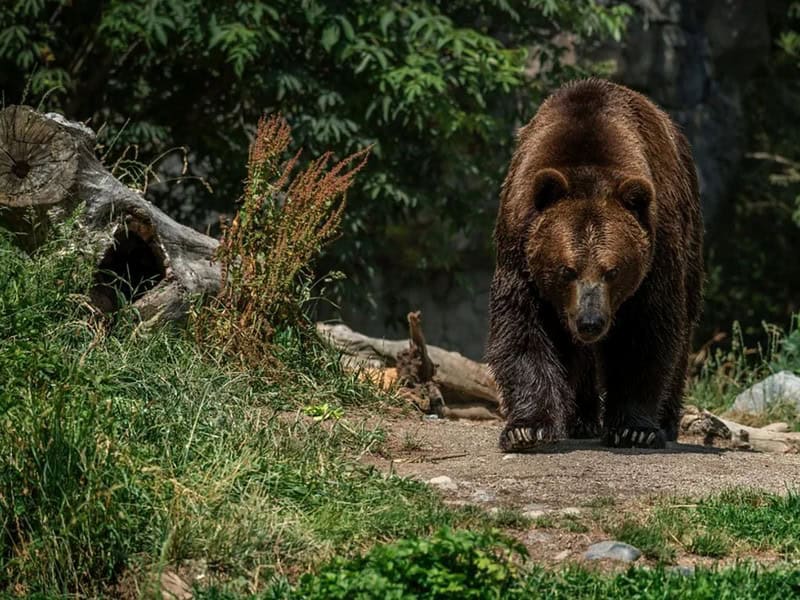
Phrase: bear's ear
(549,186)
(638,196)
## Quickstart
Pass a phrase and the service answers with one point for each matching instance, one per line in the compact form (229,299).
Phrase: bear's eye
(568,274)
(611,274)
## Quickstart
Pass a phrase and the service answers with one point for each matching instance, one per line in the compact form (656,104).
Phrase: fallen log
(464,382)
(713,430)
(48,168)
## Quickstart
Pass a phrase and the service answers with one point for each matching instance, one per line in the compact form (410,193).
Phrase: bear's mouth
(589,332)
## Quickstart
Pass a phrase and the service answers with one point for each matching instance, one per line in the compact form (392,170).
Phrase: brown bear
(599,274)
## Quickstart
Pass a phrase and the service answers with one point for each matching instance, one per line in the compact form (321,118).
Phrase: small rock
(612,550)
(482,496)
(509,456)
(780,387)
(443,482)
(681,570)
(561,555)
(173,587)
(779,427)
(533,514)
(570,511)
(430,417)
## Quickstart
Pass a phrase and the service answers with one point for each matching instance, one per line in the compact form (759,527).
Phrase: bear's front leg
(526,367)
(638,367)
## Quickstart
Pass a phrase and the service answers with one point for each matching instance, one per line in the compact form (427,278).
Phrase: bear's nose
(590,325)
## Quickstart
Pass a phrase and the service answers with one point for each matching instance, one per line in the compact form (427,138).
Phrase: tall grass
(123,451)
(729,371)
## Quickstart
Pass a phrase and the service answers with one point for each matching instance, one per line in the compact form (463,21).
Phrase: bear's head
(588,251)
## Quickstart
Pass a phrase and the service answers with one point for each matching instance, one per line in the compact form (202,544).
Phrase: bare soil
(575,475)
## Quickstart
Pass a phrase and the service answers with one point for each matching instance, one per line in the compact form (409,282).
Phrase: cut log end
(38,159)
(145,258)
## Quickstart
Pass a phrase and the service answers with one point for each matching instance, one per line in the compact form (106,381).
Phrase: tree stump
(48,168)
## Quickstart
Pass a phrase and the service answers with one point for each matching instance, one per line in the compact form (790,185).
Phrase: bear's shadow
(571,445)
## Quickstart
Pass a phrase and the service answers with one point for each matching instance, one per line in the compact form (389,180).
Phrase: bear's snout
(591,319)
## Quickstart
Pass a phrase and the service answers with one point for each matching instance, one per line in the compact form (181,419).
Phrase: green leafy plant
(449,564)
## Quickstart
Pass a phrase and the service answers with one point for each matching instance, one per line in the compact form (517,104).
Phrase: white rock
(510,456)
(570,511)
(612,550)
(443,482)
(780,387)
(482,495)
(561,555)
(534,514)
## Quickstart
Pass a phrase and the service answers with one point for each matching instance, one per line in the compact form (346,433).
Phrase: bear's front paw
(635,437)
(584,429)
(518,438)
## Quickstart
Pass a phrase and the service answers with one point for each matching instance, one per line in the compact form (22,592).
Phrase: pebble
(534,514)
(681,570)
(430,417)
(570,511)
(482,496)
(561,555)
(443,482)
(509,456)
(612,550)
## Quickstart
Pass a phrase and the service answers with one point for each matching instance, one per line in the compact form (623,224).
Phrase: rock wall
(693,58)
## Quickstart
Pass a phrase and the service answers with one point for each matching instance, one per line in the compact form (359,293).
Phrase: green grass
(461,564)
(124,449)
(648,538)
(763,521)
(715,526)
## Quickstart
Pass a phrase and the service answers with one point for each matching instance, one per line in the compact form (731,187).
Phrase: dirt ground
(571,473)
(569,476)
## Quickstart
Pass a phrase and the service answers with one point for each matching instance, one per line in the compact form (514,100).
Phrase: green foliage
(449,564)
(126,450)
(436,87)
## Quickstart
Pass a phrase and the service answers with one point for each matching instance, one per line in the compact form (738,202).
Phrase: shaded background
(438,88)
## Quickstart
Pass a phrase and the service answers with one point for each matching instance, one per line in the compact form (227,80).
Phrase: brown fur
(598,283)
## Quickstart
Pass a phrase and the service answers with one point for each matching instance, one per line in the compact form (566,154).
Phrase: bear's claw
(645,437)
(518,439)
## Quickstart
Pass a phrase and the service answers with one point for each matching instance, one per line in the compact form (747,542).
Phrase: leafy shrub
(265,253)
(449,564)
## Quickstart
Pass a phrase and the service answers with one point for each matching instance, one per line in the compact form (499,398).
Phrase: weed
(266,251)
(510,518)
(713,545)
